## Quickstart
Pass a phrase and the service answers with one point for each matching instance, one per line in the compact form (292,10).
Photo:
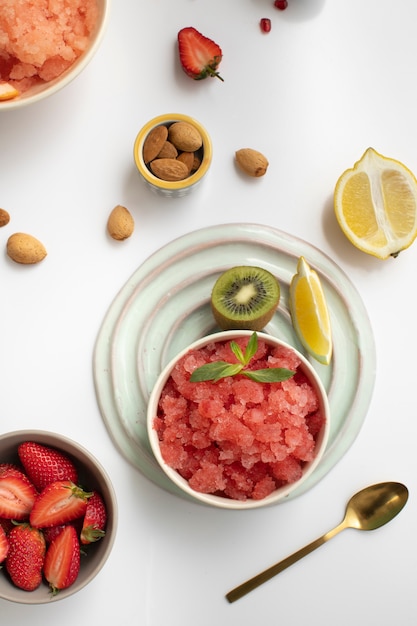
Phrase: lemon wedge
(376,205)
(7,91)
(309,312)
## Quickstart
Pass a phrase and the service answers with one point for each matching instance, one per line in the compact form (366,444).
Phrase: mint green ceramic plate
(165,306)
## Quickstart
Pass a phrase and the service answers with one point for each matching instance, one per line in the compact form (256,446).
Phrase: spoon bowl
(368,509)
(375,506)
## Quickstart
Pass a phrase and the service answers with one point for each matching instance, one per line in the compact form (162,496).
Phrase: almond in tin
(185,137)
(188,159)
(169,169)
(154,142)
(168,151)
(196,163)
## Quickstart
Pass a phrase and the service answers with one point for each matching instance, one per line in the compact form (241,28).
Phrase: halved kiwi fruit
(245,298)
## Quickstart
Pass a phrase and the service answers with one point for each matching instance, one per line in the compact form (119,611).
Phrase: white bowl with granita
(44,45)
(238,420)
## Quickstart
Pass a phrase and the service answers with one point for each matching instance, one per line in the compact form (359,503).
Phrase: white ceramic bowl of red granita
(45,45)
(237,443)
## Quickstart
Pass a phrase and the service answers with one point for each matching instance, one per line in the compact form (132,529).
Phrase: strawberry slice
(59,503)
(26,557)
(94,520)
(4,544)
(62,560)
(199,55)
(5,466)
(44,465)
(17,494)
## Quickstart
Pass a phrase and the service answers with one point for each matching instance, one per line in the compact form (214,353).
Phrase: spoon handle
(272,571)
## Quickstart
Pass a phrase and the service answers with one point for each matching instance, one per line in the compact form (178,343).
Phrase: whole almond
(252,162)
(4,218)
(154,142)
(26,249)
(168,151)
(169,169)
(187,158)
(196,163)
(185,137)
(120,224)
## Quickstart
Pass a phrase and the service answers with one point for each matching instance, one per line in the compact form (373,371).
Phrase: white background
(331,79)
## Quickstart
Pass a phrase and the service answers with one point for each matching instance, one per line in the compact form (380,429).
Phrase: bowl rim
(217,501)
(162,120)
(64,79)
(54,439)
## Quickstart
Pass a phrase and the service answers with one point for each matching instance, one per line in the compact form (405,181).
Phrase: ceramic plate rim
(114,331)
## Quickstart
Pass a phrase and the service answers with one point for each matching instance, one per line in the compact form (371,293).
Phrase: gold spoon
(368,509)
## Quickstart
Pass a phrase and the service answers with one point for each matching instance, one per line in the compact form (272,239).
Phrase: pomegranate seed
(265,24)
(281,4)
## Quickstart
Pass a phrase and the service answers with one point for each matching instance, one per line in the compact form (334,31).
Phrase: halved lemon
(309,312)
(7,91)
(376,205)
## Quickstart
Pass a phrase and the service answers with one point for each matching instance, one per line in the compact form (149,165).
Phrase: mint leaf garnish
(217,370)
(237,351)
(251,348)
(269,375)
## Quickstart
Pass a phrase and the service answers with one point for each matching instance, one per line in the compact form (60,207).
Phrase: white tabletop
(330,79)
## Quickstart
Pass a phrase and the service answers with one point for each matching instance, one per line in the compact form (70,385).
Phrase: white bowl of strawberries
(58,517)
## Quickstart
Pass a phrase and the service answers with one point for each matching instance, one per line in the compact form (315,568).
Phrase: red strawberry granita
(40,39)
(236,437)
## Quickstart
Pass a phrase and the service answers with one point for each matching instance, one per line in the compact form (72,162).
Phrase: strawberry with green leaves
(26,556)
(17,494)
(44,465)
(199,55)
(62,560)
(95,520)
(60,502)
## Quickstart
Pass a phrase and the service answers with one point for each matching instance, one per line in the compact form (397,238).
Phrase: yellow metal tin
(178,187)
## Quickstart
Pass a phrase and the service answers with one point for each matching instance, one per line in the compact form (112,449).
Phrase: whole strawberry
(62,560)
(4,544)
(95,519)
(59,503)
(199,55)
(6,524)
(26,556)
(52,532)
(44,465)
(17,494)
